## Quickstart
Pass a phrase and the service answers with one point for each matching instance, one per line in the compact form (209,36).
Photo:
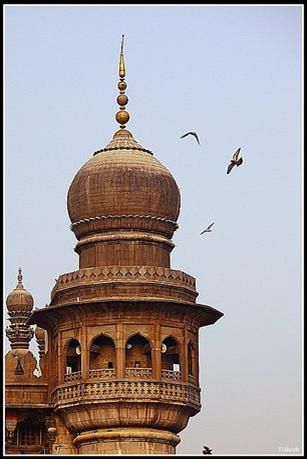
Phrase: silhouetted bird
(208,229)
(191,133)
(235,161)
(207,450)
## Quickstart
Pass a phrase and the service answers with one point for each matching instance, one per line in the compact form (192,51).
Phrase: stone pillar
(61,357)
(120,351)
(197,360)
(84,353)
(156,354)
(184,356)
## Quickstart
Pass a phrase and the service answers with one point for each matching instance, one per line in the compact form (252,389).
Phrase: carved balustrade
(68,377)
(105,391)
(138,373)
(171,375)
(108,373)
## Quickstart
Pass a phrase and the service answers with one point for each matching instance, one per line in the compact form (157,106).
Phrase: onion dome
(122,188)
(19,299)
(19,304)
(122,179)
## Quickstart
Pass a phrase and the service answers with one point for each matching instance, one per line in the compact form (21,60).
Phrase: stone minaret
(123,328)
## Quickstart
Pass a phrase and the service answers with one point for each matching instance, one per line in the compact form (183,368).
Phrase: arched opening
(72,359)
(138,356)
(102,354)
(170,359)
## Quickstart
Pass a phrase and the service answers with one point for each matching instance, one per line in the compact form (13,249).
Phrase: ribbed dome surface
(123,179)
(19,299)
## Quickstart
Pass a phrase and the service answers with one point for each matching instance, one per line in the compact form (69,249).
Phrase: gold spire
(122,70)
(122,116)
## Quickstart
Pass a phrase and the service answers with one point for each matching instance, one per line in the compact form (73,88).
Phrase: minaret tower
(123,328)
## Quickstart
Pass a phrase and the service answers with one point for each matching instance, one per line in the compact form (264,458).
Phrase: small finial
(122,70)
(19,277)
(122,116)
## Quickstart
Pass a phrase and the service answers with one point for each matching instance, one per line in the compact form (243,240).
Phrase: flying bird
(235,161)
(208,229)
(191,133)
(207,450)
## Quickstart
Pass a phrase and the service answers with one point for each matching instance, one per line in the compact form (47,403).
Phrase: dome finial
(122,116)
(19,277)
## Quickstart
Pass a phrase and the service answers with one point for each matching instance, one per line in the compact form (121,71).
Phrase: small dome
(123,179)
(19,299)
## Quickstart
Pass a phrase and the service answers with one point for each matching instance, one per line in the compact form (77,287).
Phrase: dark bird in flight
(208,229)
(235,161)
(207,450)
(191,133)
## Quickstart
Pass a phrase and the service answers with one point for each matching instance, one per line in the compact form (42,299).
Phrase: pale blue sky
(231,73)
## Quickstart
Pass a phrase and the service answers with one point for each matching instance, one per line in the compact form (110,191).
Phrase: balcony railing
(130,389)
(108,373)
(135,373)
(171,375)
(72,376)
(138,373)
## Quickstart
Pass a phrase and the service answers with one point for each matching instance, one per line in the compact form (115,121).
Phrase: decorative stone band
(120,142)
(155,281)
(127,434)
(19,336)
(122,147)
(103,217)
(111,391)
(127,272)
(114,220)
(122,236)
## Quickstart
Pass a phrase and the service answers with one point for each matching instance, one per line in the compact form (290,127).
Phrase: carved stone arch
(67,343)
(107,334)
(141,334)
(101,349)
(138,351)
(179,339)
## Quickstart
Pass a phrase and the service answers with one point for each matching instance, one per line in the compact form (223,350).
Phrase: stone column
(184,356)
(120,352)
(61,357)
(84,352)
(156,354)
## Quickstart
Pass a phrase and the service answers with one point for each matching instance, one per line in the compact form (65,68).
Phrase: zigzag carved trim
(104,217)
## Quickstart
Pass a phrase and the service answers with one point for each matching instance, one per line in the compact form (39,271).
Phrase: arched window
(170,359)
(73,357)
(102,353)
(138,352)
